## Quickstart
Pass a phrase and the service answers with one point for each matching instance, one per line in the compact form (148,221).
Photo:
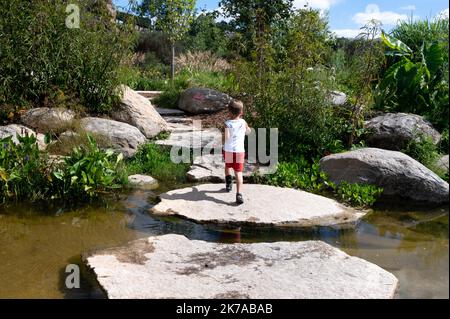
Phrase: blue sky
(347,16)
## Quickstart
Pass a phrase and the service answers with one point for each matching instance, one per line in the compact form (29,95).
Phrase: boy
(234,150)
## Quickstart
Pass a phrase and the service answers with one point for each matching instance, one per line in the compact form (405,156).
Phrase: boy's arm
(226,134)
(248,130)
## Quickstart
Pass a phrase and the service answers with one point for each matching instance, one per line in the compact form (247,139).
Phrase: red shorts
(234,160)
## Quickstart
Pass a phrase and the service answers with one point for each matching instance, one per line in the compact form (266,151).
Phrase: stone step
(265,206)
(169,112)
(150,94)
(174,267)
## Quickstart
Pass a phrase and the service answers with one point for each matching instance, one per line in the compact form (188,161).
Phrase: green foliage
(444,143)
(154,160)
(28,174)
(423,150)
(253,20)
(157,44)
(89,171)
(173,17)
(360,195)
(426,152)
(223,82)
(414,33)
(205,34)
(169,98)
(292,94)
(23,171)
(302,174)
(40,55)
(417,81)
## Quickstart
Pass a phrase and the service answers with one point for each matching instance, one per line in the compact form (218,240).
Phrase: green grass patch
(155,160)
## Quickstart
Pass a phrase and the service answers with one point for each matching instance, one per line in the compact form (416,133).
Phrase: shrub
(307,176)
(301,175)
(155,160)
(23,171)
(415,32)
(427,153)
(292,93)
(89,171)
(444,143)
(359,195)
(28,174)
(40,55)
(417,81)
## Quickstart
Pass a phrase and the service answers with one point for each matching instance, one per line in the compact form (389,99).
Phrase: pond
(37,243)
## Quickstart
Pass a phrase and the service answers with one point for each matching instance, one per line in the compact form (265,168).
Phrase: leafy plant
(360,195)
(417,83)
(307,176)
(28,174)
(23,171)
(301,175)
(89,171)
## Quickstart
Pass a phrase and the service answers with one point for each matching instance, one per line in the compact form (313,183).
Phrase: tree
(206,34)
(172,17)
(254,20)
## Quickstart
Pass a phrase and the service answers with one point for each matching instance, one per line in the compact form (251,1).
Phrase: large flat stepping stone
(264,206)
(210,168)
(172,266)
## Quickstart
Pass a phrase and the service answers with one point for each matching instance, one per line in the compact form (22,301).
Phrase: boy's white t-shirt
(237,130)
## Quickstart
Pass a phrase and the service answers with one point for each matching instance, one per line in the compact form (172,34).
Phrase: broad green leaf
(394,43)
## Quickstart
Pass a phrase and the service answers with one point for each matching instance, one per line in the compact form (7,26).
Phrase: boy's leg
(239,181)
(228,179)
(239,185)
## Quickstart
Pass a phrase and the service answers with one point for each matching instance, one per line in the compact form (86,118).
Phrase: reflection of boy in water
(231,236)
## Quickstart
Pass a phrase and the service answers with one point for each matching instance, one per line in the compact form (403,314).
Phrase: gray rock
(393,131)
(338,98)
(398,174)
(15,130)
(123,137)
(174,267)
(44,119)
(210,168)
(143,181)
(442,163)
(264,205)
(203,101)
(136,110)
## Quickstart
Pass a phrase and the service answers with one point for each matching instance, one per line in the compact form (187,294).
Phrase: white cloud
(346,33)
(373,12)
(443,14)
(315,4)
(410,7)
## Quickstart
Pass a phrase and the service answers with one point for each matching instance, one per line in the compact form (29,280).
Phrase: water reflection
(36,243)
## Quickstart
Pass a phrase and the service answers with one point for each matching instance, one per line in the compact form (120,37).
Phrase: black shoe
(239,199)
(228,183)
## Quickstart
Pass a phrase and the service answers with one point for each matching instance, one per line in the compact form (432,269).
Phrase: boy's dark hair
(235,107)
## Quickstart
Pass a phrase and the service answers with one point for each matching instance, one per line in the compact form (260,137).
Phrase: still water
(37,243)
